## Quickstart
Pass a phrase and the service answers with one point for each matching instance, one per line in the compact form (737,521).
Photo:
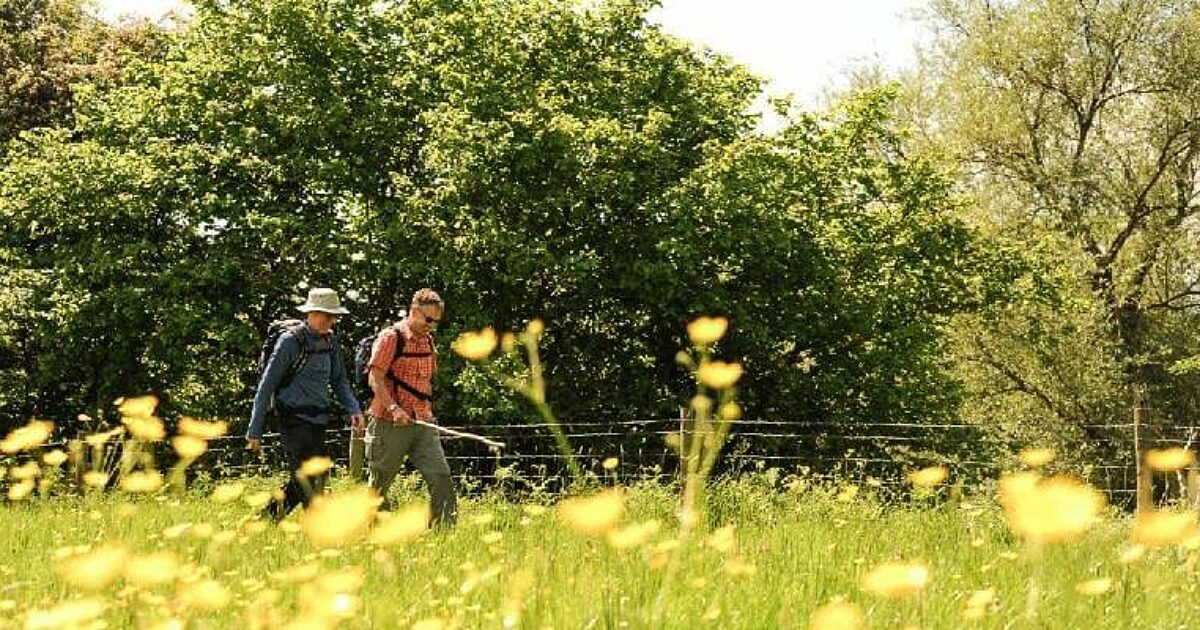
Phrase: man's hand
(400,416)
(356,420)
(253,444)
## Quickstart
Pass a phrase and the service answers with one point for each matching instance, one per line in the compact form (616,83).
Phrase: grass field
(199,561)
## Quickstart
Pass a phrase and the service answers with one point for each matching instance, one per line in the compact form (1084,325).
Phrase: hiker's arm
(341,387)
(381,361)
(286,350)
(378,380)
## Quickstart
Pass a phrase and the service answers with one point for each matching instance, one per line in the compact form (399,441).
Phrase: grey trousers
(389,443)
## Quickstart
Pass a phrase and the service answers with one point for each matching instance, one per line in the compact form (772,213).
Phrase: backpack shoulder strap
(301,338)
(398,349)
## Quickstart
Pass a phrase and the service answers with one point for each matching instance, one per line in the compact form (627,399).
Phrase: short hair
(427,296)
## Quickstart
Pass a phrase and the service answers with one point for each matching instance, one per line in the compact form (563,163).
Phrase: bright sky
(803,47)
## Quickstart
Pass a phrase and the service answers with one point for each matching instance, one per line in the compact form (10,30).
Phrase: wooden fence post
(1145,478)
(358,450)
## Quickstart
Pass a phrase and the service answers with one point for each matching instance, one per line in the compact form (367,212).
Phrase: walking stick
(461,434)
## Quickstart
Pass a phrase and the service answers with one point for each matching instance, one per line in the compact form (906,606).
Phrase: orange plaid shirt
(416,371)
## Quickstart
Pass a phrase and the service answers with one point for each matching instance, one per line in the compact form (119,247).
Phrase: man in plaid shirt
(403,388)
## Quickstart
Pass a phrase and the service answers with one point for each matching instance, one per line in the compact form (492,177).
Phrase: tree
(49,46)
(528,159)
(1077,126)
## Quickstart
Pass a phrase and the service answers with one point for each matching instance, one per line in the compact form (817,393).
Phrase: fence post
(1193,486)
(1145,479)
(358,449)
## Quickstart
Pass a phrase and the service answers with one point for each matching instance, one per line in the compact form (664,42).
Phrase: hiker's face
(321,323)
(425,317)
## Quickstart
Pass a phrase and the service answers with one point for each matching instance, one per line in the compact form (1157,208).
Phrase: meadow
(123,545)
(776,550)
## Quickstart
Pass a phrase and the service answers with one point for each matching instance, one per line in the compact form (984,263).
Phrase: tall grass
(763,550)
(791,550)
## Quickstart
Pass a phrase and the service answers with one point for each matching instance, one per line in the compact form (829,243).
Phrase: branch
(1021,385)
(1170,303)
(1141,210)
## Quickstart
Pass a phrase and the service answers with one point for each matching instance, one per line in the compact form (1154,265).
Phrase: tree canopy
(527,159)
(1075,125)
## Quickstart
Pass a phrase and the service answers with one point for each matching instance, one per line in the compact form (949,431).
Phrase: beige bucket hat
(324,300)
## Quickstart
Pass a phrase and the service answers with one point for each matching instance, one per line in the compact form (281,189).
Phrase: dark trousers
(302,441)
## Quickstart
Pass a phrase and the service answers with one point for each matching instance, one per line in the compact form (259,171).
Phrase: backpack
(274,330)
(362,356)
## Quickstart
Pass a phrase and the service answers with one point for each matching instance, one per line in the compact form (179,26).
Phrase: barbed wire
(643,451)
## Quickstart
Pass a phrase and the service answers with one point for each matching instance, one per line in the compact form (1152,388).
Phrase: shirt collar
(312,333)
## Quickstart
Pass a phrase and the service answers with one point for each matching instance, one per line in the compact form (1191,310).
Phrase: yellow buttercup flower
(299,573)
(896,579)
(1169,459)
(534,509)
(346,580)
(719,374)
(28,470)
(403,526)
(980,599)
(594,515)
(21,490)
(705,331)
(1045,510)
(27,437)
(55,458)
(475,346)
(73,614)
(138,407)
(227,492)
(928,477)
(722,540)
(258,499)
(1098,586)
(202,429)
(95,569)
(1036,457)
(151,570)
(837,616)
(339,519)
(205,595)
(145,428)
(1162,528)
(633,535)
(98,439)
(315,466)
(95,478)
(142,481)
(189,446)
(972,613)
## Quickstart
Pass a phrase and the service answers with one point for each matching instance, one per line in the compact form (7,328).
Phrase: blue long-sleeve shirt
(307,394)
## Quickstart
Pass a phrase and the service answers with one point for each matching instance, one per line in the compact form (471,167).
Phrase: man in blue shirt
(301,402)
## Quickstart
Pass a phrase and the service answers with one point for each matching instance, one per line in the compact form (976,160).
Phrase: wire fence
(881,453)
